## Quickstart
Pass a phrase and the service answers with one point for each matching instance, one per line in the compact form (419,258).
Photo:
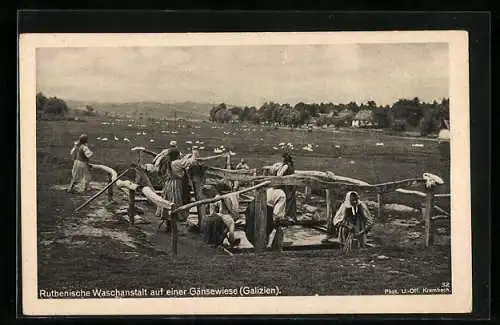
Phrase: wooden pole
(215,199)
(174,233)
(428,212)
(380,206)
(329,205)
(228,166)
(110,189)
(307,193)
(101,191)
(277,244)
(131,206)
(260,220)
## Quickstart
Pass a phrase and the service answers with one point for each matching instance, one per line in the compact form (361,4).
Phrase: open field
(70,259)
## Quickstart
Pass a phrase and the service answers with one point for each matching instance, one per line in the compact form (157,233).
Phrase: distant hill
(185,110)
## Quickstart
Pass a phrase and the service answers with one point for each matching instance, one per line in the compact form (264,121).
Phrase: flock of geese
(220,149)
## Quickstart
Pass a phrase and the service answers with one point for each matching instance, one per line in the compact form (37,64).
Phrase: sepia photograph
(271,172)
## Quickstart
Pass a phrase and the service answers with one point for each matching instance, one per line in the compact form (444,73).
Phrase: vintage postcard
(245,173)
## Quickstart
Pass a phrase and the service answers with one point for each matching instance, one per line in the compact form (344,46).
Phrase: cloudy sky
(246,75)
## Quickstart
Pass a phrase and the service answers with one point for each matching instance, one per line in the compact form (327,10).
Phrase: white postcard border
(458,302)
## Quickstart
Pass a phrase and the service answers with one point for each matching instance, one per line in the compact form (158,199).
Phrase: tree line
(54,107)
(402,115)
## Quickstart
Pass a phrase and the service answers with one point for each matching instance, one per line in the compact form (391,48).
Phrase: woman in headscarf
(81,155)
(288,168)
(175,170)
(353,217)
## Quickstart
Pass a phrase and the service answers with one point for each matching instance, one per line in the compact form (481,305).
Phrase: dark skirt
(176,190)
(291,202)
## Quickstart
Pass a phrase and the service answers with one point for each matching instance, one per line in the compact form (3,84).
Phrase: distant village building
(343,117)
(362,119)
(444,133)
(235,118)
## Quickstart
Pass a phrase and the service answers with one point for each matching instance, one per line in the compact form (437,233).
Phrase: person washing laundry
(352,220)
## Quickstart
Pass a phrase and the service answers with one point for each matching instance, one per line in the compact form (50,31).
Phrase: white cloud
(246,75)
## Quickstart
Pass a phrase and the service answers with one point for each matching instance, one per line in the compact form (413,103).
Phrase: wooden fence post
(228,166)
(380,206)
(329,207)
(202,208)
(260,220)
(110,189)
(428,212)
(277,244)
(139,157)
(131,206)
(175,233)
(307,193)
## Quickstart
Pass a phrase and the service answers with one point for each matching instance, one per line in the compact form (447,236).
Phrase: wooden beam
(306,180)
(215,199)
(115,179)
(260,220)
(327,176)
(417,193)
(440,217)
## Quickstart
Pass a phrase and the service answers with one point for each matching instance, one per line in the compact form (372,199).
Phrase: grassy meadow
(92,260)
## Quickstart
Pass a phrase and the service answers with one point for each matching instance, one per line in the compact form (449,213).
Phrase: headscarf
(83,139)
(173,153)
(164,158)
(340,215)
(159,157)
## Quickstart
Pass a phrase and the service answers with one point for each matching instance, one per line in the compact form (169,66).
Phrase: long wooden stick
(101,191)
(215,199)
(152,153)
